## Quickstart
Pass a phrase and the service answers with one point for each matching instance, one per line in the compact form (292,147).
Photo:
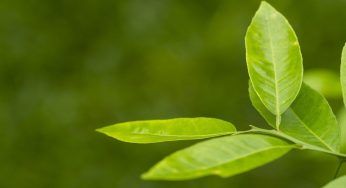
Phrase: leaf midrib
(274,65)
(165,135)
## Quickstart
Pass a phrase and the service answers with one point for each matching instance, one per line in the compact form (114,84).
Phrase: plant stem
(278,121)
(341,161)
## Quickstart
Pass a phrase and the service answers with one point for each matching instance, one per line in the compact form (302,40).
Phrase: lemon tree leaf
(309,119)
(274,60)
(225,156)
(343,73)
(151,131)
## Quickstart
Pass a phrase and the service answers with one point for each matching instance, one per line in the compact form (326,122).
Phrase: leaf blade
(343,74)
(309,119)
(225,156)
(273,59)
(343,88)
(153,131)
(337,183)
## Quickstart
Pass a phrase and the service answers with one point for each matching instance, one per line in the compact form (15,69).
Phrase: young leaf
(151,131)
(337,183)
(309,119)
(225,156)
(273,59)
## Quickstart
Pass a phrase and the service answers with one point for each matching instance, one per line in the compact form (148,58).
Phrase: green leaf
(337,183)
(342,115)
(309,119)
(151,131)
(324,81)
(273,59)
(342,123)
(343,73)
(257,103)
(225,156)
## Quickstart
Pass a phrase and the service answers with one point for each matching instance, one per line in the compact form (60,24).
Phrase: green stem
(278,122)
(300,144)
(341,161)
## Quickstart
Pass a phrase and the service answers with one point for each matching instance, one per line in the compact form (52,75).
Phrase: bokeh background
(68,67)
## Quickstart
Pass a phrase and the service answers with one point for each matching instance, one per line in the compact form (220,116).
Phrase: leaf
(300,144)
(273,59)
(343,73)
(324,81)
(337,183)
(257,103)
(342,123)
(151,131)
(342,120)
(225,156)
(309,119)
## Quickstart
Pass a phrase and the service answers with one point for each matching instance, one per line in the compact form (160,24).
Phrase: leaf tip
(100,130)
(265,4)
(146,176)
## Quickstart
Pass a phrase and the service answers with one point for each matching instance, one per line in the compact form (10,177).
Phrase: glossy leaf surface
(274,59)
(151,131)
(225,156)
(309,119)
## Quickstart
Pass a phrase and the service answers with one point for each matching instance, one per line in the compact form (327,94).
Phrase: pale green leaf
(309,119)
(337,183)
(324,81)
(274,59)
(151,131)
(225,156)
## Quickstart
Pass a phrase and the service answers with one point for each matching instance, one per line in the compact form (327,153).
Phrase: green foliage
(168,130)
(225,156)
(301,117)
(309,119)
(274,59)
(343,73)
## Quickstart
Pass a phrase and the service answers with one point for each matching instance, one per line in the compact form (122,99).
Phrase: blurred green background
(68,67)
